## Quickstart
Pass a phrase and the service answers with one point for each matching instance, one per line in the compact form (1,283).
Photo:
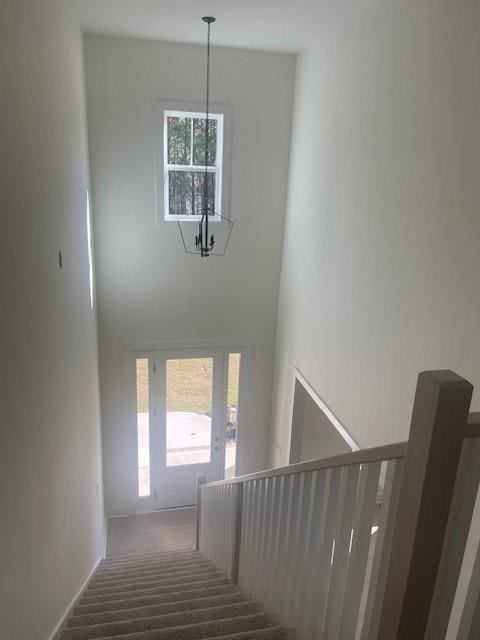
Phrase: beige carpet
(166,596)
(151,532)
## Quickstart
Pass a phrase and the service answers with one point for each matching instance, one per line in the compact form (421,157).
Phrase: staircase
(176,595)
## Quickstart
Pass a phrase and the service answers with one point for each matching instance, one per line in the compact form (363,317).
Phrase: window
(233,391)
(143,426)
(183,162)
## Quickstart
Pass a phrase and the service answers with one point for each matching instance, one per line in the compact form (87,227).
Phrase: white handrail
(363,456)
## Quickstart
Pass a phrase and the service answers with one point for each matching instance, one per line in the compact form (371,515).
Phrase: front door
(187,408)
(186,435)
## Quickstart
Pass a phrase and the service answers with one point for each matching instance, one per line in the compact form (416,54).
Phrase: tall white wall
(148,288)
(381,267)
(51,502)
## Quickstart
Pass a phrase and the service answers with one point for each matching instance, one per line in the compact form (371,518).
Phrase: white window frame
(220,113)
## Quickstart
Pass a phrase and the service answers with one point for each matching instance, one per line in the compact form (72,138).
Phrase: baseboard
(187,507)
(56,632)
(114,516)
(105,534)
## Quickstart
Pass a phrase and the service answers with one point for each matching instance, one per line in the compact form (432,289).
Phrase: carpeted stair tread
(198,602)
(159,571)
(141,562)
(166,596)
(131,588)
(148,562)
(154,591)
(155,576)
(179,618)
(208,589)
(160,555)
(201,630)
(164,552)
(152,566)
(137,561)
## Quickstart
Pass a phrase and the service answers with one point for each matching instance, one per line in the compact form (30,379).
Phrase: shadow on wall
(314,435)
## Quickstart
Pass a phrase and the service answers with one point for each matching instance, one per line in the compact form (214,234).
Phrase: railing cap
(363,456)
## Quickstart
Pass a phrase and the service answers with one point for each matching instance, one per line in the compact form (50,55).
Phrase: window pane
(179,140)
(185,190)
(199,131)
(143,434)
(233,389)
(189,410)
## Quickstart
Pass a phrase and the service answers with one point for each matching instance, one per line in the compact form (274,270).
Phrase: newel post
(200,480)
(440,412)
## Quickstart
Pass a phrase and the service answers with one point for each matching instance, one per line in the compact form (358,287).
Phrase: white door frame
(133,350)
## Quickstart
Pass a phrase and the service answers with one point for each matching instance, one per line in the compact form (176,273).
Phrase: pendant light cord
(207,131)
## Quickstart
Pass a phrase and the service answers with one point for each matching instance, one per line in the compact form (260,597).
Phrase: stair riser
(202,630)
(148,584)
(199,602)
(148,557)
(154,574)
(161,622)
(184,586)
(150,566)
(166,596)
(116,605)
(124,566)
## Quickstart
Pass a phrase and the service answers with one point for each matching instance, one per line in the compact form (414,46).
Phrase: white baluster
(279,542)
(365,507)
(293,553)
(321,561)
(303,569)
(245,534)
(273,553)
(382,551)
(341,554)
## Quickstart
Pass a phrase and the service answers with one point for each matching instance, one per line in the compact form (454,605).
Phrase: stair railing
(455,611)
(351,547)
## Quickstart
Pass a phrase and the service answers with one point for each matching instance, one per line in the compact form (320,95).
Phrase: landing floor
(151,532)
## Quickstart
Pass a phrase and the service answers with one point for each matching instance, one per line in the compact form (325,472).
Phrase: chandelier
(212,235)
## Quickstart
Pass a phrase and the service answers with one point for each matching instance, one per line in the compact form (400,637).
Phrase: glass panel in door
(188,418)
(189,390)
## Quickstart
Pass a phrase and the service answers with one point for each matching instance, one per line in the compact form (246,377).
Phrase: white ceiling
(278,25)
